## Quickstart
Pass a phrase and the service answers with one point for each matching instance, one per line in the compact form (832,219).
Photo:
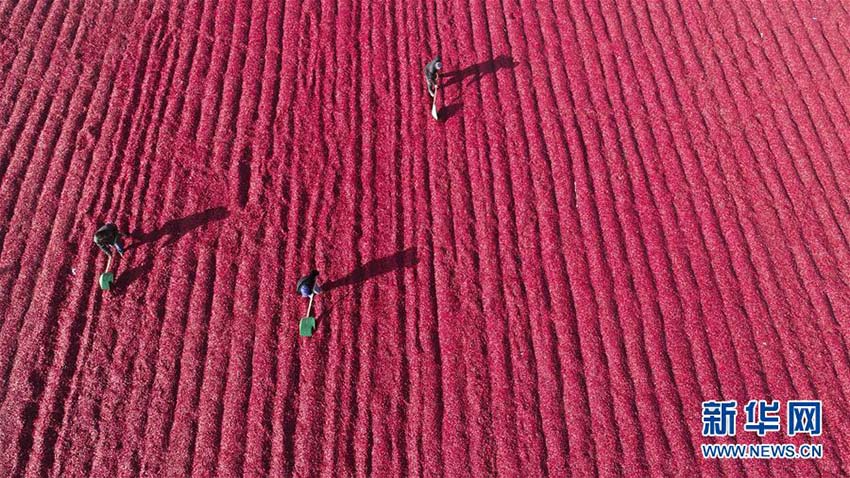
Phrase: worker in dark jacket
(432,74)
(307,285)
(108,237)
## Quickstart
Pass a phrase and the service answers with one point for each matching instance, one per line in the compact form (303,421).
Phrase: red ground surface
(631,207)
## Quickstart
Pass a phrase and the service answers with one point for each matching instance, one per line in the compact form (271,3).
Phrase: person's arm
(103,247)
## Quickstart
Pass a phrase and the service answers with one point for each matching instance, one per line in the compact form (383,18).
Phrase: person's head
(438,63)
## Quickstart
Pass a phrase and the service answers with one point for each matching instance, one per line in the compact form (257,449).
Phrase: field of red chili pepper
(628,208)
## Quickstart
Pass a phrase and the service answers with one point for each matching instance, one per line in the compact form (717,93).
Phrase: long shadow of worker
(399,260)
(177,228)
(478,70)
(173,230)
(395,262)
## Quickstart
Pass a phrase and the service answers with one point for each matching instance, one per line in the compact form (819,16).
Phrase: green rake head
(307,325)
(106,280)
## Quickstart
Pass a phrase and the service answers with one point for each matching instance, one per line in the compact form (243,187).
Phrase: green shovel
(107,278)
(308,323)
